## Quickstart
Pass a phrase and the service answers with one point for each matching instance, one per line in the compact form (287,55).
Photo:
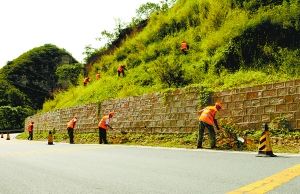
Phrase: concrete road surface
(37,168)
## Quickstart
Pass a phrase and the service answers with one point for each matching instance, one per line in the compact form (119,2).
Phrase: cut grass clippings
(173,140)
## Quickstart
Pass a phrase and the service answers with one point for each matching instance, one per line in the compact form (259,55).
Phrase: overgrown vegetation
(28,80)
(233,43)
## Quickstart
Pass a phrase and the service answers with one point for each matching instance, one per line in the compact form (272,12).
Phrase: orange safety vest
(208,115)
(120,69)
(30,127)
(102,123)
(71,123)
(86,80)
(184,46)
(97,76)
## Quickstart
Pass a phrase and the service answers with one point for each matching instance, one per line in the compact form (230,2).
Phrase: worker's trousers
(71,134)
(211,131)
(30,137)
(102,136)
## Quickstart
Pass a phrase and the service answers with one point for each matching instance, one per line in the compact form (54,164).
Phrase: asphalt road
(37,168)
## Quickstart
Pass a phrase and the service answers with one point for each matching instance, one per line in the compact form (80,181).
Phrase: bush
(12,118)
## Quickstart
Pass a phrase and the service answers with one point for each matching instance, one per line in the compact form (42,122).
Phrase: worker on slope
(184,47)
(121,70)
(70,127)
(207,120)
(97,76)
(30,130)
(86,80)
(103,125)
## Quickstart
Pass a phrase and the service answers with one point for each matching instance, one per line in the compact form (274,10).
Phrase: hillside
(232,43)
(27,81)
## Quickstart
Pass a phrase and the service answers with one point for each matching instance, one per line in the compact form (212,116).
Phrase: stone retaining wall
(176,111)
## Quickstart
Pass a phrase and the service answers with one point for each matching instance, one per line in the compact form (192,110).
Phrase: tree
(68,74)
(170,73)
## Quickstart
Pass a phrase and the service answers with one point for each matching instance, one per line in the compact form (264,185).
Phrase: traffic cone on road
(50,138)
(264,148)
(7,137)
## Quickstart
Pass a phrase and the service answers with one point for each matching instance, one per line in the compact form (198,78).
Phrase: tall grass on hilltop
(233,43)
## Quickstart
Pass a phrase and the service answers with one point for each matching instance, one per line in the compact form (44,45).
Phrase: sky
(68,24)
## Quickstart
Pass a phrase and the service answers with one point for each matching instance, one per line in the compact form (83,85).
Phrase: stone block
(260,110)
(227,99)
(265,118)
(279,85)
(281,108)
(292,90)
(255,102)
(277,100)
(264,101)
(247,103)
(288,116)
(269,93)
(298,122)
(251,111)
(225,113)
(239,97)
(238,112)
(239,105)
(237,119)
(289,99)
(293,107)
(269,86)
(282,91)
(246,119)
(251,95)
(255,118)
(297,82)
(289,83)
(270,109)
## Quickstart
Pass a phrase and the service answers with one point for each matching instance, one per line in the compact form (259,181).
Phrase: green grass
(224,53)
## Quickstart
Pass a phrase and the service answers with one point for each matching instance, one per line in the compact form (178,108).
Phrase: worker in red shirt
(30,130)
(97,76)
(184,47)
(121,70)
(70,127)
(207,120)
(86,81)
(103,126)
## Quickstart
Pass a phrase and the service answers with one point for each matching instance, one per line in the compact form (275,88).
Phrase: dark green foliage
(33,75)
(68,74)
(170,73)
(28,80)
(249,49)
(145,10)
(12,118)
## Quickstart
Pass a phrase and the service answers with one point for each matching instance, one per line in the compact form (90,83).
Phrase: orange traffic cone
(264,148)
(50,138)
(7,137)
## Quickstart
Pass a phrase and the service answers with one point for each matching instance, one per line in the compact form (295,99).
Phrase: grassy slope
(229,47)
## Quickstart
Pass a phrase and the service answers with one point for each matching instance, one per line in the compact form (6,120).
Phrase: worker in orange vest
(207,120)
(121,70)
(86,81)
(103,125)
(184,47)
(70,127)
(97,76)
(30,130)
